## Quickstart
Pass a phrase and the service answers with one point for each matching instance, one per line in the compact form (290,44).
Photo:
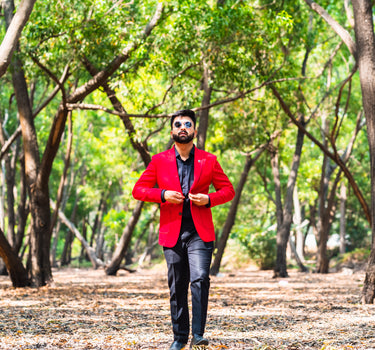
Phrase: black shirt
(185,169)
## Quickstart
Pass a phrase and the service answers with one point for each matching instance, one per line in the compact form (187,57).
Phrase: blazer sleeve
(144,189)
(224,188)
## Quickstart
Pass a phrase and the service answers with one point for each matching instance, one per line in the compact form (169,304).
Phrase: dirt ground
(86,309)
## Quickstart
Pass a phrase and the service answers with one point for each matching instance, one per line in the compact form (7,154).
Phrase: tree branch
(87,106)
(103,75)
(13,33)
(334,156)
(342,33)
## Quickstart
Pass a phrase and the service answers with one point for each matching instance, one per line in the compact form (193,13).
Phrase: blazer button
(179,213)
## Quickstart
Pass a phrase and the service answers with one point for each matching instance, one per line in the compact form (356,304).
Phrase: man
(183,176)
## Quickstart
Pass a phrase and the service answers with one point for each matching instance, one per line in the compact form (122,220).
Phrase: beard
(183,138)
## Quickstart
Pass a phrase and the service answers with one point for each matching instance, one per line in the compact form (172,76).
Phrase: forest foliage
(242,54)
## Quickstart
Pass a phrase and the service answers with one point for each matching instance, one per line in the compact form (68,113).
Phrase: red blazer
(162,171)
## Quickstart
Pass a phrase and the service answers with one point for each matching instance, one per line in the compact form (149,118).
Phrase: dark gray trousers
(188,261)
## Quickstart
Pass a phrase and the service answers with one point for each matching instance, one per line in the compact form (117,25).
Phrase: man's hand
(174,197)
(199,199)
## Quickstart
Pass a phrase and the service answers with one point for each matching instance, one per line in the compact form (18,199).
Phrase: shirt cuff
(209,202)
(163,200)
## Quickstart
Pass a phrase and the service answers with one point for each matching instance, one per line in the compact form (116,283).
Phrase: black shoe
(176,345)
(198,342)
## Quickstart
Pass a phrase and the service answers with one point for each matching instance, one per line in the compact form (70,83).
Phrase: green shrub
(357,255)
(261,246)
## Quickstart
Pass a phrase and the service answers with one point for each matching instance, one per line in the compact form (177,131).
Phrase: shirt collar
(192,151)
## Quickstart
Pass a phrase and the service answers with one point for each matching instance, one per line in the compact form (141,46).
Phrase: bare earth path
(248,310)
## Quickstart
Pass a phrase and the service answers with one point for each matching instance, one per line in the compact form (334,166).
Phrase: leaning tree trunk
(100,79)
(231,217)
(124,242)
(89,250)
(142,149)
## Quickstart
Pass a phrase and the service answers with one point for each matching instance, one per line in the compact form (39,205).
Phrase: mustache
(183,138)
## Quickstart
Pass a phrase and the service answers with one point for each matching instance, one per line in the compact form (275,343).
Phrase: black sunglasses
(187,125)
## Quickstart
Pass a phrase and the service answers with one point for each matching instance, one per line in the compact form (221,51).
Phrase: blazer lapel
(171,170)
(198,166)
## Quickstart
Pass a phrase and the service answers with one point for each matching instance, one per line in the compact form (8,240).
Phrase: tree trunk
(283,230)
(83,256)
(38,191)
(22,209)
(97,222)
(3,268)
(124,242)
(302,267)
(327,198)
(10,164)
(90,251)
(66,257)
(16,270)
(142,149)
(38,172)
(15,24)
(363,51)
(300,239)
(368,291)
(204,114)
(100,79)
(276,177)
(343,198)
(152,241)
(66,253)
(60,191)
(323,227)
(364,33)
(328,215)
(2,195)
(101,232)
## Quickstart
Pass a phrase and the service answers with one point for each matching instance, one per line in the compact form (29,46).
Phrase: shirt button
(179,213)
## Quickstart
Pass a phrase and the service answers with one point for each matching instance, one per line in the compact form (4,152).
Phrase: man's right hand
(174,197)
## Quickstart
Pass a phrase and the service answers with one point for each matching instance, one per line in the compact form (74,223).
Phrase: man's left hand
(199,199)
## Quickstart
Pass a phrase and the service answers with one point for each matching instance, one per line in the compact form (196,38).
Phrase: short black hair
(184,113)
